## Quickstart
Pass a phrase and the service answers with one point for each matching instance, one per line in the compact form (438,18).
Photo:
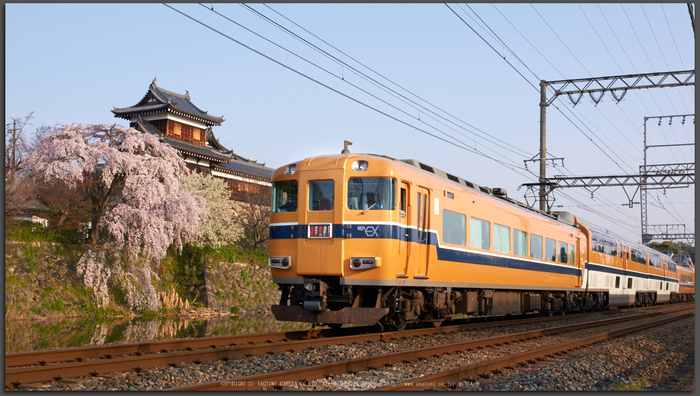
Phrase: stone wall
(239,288)
(41,282)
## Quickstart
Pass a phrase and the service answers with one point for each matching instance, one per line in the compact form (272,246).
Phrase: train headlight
(360,166)
(281,262)
(290,169)
(359,263)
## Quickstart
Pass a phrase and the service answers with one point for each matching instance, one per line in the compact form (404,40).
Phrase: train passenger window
(520,243)
(454,228)
(374,193)
(661,285)
(479,234)
(550,249)
(672,266)
(403,202)
(536,246)
(572,255)
(284,196)
(321,194)
(617,282)
(638,256)
(629,283)
(563,257)
(604,244)
(501,238)
(654,261)
(666,285)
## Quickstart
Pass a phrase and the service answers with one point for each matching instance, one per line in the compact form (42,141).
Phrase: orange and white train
(364,239)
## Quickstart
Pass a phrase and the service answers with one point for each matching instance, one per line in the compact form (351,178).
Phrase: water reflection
(21,336)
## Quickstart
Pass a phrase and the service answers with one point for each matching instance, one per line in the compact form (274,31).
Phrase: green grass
(26,231)
(636,383)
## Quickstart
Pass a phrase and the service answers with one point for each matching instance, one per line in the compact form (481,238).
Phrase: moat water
(22,335)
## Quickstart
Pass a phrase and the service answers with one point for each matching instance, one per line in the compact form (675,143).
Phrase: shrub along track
(100,360)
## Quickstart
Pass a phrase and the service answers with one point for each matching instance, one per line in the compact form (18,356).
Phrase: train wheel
(401,326)
(436,322)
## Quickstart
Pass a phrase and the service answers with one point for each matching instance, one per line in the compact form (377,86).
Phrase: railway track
(292,379)
(39,366)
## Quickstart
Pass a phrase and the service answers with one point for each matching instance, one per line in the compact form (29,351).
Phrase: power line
(377,83)
(337,91)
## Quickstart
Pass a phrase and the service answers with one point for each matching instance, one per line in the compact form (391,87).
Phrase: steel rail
(211,351)
(107,359)
(273,380)
(108,351)
(452,377)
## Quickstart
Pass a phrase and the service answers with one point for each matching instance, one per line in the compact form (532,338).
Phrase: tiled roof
(159,99)
(249,167)
(193,149)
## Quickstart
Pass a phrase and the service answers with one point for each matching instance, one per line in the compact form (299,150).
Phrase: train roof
(562,217)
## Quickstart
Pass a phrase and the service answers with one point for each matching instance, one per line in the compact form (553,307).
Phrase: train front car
(333,236)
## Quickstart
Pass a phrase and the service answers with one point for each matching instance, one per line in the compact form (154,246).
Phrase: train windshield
(373,193)
(284,196)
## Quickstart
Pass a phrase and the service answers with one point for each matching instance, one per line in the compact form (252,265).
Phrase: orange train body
(365,238)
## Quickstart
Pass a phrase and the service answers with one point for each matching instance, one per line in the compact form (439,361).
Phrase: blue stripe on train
(618,271)
(393,231)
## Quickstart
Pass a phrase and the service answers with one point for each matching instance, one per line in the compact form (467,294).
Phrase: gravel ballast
(660,358)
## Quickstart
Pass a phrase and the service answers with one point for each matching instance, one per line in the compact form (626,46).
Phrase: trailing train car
(361,238)
(686,283)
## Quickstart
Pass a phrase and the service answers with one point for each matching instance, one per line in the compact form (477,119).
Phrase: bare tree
(18,188)
(16,145)
(253,213)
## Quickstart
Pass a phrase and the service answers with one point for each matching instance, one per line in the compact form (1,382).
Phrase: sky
(454,86)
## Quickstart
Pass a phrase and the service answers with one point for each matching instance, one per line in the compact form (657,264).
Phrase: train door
(406,219)
(423,226)
(579,261)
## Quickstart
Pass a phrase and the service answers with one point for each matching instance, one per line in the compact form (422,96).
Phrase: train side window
(638,256)
(654,261)
(563,257)
(550,249)
(520,243)
(501,238)
(572,255)
(661,285)
(479,233)
(454,228)
(666,285)
(629,283)
(617,282)
(284,196)
(403,202)
(536,246)
(371,193)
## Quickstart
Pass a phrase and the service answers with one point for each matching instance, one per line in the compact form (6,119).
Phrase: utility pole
(644,171)
(576,88)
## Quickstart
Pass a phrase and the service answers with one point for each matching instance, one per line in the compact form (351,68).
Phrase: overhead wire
(510,147)
(550,62)
(505,46)
(339,92)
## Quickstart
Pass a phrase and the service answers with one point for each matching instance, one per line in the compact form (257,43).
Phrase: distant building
(178,122)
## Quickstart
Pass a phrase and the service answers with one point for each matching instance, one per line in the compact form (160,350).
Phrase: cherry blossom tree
(220,226)
(132,180)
